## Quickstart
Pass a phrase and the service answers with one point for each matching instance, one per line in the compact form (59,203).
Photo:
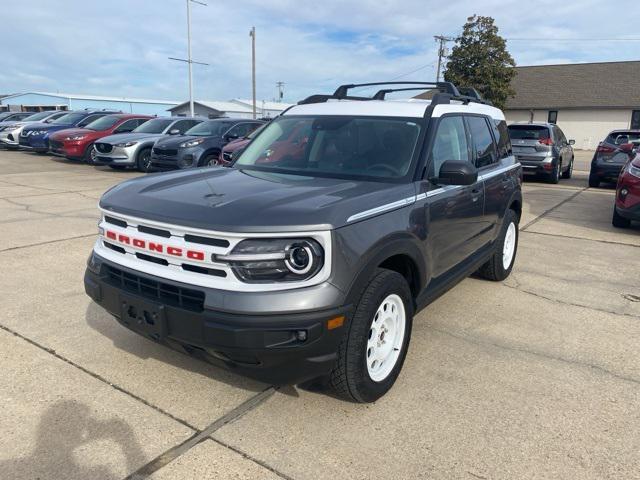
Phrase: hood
(130,137)
(73,131)
(47,127)
(233,200)
(172,141)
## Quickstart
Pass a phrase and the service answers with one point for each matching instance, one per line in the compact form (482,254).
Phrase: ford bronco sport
(311,263)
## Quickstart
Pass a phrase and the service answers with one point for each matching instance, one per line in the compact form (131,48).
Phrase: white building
(586,100)
(234,108)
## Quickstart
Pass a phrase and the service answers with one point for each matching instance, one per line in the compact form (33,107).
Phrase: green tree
(480,60)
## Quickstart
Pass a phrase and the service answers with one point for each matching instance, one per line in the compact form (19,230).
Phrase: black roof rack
(446,92)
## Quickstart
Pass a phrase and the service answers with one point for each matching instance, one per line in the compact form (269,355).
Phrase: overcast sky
(120,47)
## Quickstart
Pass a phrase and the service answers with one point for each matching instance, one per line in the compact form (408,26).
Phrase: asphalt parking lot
(535,377)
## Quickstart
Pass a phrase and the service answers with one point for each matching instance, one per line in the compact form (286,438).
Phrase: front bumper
(10,138)
(117,156)
(267,347)
(184,158)
(72,150)
(37,144)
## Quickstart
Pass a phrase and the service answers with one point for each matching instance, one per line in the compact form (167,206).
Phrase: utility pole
(189,61)
(252,34)
(280,86)
(441,51)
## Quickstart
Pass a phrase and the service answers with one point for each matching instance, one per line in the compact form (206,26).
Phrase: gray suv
(542,149)
(134,149)
(309,256)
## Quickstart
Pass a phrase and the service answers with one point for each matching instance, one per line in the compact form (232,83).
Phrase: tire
(554,176)
(501,263)
(594,181)
(567,175)
(208,161)
(619,221)
(355,376)
(143,160)
(89,154)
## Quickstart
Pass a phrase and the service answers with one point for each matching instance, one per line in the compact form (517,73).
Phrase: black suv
(612,155)
(200,146)
(305,263)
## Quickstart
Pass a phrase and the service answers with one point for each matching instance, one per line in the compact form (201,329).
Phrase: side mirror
(572,142)
(174,131)
(456,172)
(626,147)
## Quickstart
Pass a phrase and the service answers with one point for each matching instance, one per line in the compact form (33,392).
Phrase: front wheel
(90,155)
(373,350)
(143,160)
(501,262)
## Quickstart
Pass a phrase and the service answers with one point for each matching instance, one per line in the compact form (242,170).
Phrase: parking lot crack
(556,206)
(609,242)
(47,243)
(501,346)
(202,435)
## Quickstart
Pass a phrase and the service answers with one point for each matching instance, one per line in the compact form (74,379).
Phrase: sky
(121,47)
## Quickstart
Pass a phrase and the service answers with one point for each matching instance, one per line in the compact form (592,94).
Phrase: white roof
(220,106)
(414,108)
(261,105)
(75,96)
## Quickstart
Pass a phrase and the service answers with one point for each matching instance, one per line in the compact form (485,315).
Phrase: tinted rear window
(617,138)
(528,132)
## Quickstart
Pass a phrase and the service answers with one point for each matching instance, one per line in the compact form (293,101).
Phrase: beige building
(586,100)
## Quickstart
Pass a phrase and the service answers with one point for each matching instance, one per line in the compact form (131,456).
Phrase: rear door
(453,214)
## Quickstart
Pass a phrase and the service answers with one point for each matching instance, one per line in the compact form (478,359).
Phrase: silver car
(542,148)
(134,149)
(10,129)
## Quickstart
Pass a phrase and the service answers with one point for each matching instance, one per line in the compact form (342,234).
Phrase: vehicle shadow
(196,361)
(66,428)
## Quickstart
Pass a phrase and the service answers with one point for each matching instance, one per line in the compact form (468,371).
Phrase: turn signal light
(336,322)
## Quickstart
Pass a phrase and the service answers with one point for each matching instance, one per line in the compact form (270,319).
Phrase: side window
(241,130)
(562,140)
(501,132)
(483,146)
(127,126)
(450,143)
(88,120)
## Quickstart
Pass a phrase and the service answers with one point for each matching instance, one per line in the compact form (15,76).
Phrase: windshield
(4,115)
(528,132)
(69,119)
(157,125)
(341,146)
(103,123)
(37,116)
(209,129)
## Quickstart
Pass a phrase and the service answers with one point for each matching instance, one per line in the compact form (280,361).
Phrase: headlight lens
(9,127)
(75,137)
(191,143)
(278,259)
(126,144)
(635,171)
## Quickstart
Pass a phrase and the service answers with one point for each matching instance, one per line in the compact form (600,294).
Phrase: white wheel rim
(509,247)
(386,335)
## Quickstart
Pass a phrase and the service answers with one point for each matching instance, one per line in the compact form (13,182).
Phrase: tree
(480,60)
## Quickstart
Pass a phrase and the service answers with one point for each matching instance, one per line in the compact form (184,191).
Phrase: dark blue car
(36,137)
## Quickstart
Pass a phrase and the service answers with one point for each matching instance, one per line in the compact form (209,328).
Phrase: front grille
(163,292)
(55,145)
(168,152)
(104,147)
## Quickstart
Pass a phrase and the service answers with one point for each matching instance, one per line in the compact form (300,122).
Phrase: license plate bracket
(143,316)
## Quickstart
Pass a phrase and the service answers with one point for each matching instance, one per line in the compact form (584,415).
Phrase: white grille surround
(174,270)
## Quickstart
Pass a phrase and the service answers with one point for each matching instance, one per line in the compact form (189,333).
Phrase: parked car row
(119,140)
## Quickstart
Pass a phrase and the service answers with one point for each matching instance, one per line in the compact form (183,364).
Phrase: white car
(10,130)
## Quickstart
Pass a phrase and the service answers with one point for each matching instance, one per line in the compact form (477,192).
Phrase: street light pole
(441,52)
(189,57)
(252,34)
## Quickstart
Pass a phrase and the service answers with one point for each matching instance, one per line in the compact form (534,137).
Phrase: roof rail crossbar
(447,87)
(381,94)
(321,98)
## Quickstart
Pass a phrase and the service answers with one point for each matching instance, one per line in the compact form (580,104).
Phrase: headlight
(278,259)
(635,171)
(191,143)
(75,137)
(9,127)
(125,144)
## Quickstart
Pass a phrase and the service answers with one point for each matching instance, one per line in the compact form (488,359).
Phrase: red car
(77,143)
(627,206)
(225,158)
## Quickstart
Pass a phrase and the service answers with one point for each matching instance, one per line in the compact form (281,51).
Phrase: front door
(453,213)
